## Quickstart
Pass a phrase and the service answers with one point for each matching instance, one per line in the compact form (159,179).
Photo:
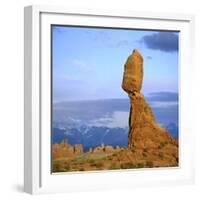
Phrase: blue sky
(88,63)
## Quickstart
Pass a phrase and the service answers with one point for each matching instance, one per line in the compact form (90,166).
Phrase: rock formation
(90,150)
(78,149)
(109,149)
(99,149)
(144,132)
(104,149)
(64,149)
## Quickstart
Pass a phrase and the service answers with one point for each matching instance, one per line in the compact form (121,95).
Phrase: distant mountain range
(94,122)
(92,136)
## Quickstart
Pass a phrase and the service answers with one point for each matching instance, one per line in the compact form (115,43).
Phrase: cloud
(82,65)
(149,57)
(103,37)
(97,35)
(120,43)
(118,119)
(79,63)
(163,104)
(163,41)
(163,97)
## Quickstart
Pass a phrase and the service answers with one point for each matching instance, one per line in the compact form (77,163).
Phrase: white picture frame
(37,152)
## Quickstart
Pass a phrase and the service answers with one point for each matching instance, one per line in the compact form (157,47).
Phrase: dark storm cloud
(163,41)
(163,96)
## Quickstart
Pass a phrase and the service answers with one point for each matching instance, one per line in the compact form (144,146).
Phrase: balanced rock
(133,73)
(144,132)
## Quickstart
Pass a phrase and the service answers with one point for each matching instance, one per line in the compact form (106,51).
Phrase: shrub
(109,158)
(58,166)
(163,144)
(149,163)
(144,154)
(93,164)
(161,155)
(133,150)
(114,154)
(145,150)
(140,165)
(113,166)
(127,165)
(174,155)
(66,166)
(91,160)
(99,165)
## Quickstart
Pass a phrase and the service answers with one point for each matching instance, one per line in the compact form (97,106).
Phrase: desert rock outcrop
(78,149)
(109,149)
(62,150)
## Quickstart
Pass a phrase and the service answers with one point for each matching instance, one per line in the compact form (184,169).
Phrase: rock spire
(144,132)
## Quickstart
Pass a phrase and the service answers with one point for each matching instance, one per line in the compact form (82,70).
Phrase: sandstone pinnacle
(144,132)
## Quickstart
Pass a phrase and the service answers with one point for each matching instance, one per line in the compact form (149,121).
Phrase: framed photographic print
(106,99)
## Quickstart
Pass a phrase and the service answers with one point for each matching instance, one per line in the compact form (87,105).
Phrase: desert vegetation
(119,158)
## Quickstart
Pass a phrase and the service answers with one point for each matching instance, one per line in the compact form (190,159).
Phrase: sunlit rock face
(144,132)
